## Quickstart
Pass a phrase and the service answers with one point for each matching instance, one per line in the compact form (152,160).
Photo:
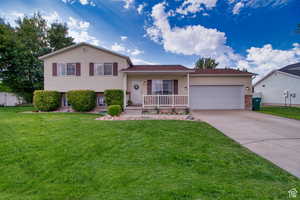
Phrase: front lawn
(55,156)
(288,112)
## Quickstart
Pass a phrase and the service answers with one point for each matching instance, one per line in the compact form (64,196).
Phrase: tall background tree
(206,63)
(20,47)
(57,36)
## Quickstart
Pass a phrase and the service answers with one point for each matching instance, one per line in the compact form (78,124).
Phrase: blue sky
(255,34)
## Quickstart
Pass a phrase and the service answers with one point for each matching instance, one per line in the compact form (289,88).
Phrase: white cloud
(194,6)
(123,38)
(137,61)
(205,42)
(265,59)
(79,30)
(140,8)
(121,48)
(265,3)
(82,2)
(190,40)
(128,3)
(11,17)
(237,8)
(255,4)
(136,52)
(118,47)
(52,17)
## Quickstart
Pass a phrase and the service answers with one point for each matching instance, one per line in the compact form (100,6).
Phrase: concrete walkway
(274,138)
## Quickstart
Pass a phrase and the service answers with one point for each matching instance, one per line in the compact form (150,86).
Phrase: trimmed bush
(114,110)
(82,100)
(114,97)
(46,100)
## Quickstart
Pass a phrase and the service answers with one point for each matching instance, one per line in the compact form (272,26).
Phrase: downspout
(125,90)
(188,89)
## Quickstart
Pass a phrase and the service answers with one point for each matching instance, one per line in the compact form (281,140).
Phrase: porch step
(134,108)
(133,112)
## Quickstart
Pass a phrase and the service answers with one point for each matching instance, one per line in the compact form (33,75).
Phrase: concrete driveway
(274,138)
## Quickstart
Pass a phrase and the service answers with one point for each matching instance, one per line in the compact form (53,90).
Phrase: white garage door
(216,97)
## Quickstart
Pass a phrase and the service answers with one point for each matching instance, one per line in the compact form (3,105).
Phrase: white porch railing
(165,100)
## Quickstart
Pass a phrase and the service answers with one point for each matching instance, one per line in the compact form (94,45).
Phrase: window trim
(59,69)
(96,65)
(161,86)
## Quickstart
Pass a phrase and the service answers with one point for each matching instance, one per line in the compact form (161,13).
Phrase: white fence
(165,100)
(9,99)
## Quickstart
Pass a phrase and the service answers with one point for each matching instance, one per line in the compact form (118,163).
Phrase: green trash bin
(256,103)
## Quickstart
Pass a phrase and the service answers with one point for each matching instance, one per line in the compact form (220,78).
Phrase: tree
(206,63)
(20,47)
(57,36)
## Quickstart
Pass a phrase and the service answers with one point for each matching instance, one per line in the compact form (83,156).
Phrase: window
(71,69)
(103,69)
(68,69)
(61,69)
(108,68)
(168,87)
(99,69)
(162,87)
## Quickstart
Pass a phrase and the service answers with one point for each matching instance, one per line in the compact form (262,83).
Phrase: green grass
(56,156)
(288,112)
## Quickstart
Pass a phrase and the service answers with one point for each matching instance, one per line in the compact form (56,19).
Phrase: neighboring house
(84,66)
(10,99)
(280,87)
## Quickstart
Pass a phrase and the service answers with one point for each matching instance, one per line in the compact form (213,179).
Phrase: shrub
(82,100)
(114,97)
(114,110)
(46,100)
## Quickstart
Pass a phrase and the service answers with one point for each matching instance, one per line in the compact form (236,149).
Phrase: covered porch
(157,89)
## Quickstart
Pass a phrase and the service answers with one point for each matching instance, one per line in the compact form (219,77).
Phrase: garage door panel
(216,97)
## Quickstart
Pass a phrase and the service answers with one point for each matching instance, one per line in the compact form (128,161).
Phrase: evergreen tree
(206,63)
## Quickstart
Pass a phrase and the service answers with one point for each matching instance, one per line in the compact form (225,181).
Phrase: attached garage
(217,97)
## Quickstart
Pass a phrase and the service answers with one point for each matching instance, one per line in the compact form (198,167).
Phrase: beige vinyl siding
(83,55)
(245,81)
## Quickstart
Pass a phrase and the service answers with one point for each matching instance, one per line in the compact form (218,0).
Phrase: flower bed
(147,117)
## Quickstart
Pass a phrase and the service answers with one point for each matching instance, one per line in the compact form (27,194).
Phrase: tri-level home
(85,66)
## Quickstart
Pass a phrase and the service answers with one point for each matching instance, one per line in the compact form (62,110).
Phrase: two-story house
(85,66)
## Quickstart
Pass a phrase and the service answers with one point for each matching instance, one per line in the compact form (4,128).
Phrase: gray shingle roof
(291,69)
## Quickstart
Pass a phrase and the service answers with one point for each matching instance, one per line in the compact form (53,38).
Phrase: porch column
(125,89)
(188,89)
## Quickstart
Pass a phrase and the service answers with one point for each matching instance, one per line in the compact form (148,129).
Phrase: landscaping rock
(147,117)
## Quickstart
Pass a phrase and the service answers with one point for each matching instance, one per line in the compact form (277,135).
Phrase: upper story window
(66,69)
(105,69)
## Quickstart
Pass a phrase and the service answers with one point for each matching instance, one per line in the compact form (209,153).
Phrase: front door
(136,92)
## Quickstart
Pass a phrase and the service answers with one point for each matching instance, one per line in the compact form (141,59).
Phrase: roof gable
(84,44)
(293,70)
